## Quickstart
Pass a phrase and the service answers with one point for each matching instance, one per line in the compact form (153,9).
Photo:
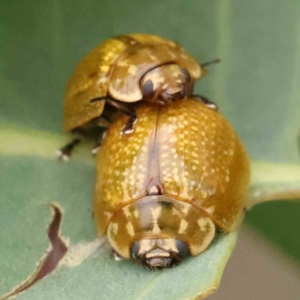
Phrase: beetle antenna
(211,62)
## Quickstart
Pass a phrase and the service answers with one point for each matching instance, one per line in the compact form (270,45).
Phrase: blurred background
(256,86)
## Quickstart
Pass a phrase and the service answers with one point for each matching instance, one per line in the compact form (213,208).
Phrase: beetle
(163,191)
(124,70)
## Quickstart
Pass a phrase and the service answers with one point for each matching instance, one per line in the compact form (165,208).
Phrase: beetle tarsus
(125,108)
(95,150)
(65,152)
(129,126)
(115,256)
(98,143)
(207,102)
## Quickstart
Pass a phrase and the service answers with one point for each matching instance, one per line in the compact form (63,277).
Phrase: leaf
(47,264)
(271,182)
(256,86)
(54,181)
(26,214)
(102,275)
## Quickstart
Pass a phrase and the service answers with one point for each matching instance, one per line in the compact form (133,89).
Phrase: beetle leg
(65,152)
(206,101)
(98,143)
(115,256)
(128,111)
(125,108)
(129,125)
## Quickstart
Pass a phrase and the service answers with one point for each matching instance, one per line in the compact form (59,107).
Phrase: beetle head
(159,253)
(166,83)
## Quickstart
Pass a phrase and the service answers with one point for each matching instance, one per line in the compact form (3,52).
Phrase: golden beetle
(123,70)
(128,68)
(162,191)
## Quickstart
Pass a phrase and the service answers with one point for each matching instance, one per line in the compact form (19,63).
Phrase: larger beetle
(162,191)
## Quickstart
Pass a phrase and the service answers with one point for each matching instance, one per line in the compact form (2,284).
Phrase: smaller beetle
(122,71)
(163,191)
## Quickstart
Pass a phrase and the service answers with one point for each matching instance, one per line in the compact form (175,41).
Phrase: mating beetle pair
(166,185)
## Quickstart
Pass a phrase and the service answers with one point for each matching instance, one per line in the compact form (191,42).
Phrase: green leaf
(256,86)
(97,275)
(27,217)
(271,182)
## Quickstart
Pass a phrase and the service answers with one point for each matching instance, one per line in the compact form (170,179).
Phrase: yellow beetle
(115,68)
(123,70)
(162,191)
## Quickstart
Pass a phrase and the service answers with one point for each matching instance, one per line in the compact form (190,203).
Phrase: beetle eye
(183,249)
(147,88)
(186,74)
(135,248)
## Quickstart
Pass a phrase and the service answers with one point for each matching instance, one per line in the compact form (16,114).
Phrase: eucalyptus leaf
(50,181)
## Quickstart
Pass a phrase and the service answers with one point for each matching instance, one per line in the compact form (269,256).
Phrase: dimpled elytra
(162,191)
(128,68)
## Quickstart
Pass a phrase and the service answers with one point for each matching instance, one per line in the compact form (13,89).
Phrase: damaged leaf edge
(41,271)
